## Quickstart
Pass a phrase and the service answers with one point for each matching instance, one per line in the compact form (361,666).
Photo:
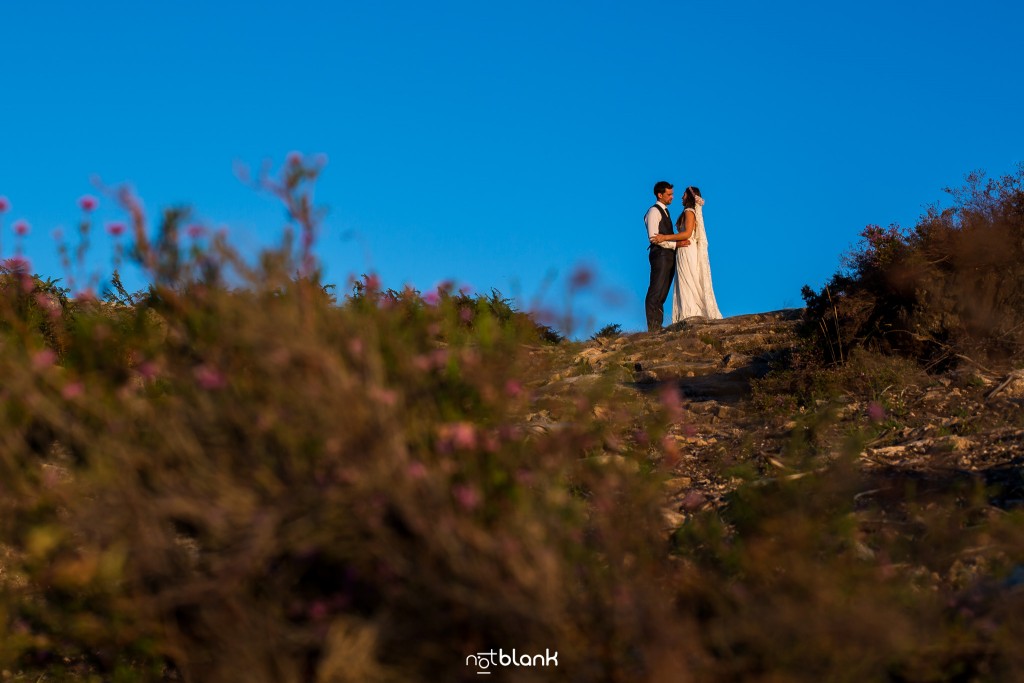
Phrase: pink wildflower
(195,231)
(466,315)
(672,401)
(876,413)
(431,298)
(490,442)
(4,205)
(87,202)
(43,359)
(385,397)
(372,282)
(513,388)
(416,470)
(21,228)
(72,391)
(294,158)
(148,370)
(466,496)
(463,435)
(115,229)
(19,264)
(581,277)
(210,378)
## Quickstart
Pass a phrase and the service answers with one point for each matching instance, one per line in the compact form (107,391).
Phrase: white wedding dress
(693,292)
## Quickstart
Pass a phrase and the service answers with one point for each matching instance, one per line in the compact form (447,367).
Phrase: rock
(617,461)
(673,520)
(645,377)
(725,412)
(678,484)
(592,356)
(693,500)
(735,360)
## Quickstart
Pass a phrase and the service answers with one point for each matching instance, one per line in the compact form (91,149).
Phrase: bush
(202,480)
(952,286)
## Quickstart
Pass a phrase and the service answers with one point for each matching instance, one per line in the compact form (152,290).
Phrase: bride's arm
(684,234)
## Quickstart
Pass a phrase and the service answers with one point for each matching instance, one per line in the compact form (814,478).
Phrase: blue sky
(502,144)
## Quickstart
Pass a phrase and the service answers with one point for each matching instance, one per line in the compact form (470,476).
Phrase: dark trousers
(663,271)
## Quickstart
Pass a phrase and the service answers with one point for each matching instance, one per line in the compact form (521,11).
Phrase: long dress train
(693,292)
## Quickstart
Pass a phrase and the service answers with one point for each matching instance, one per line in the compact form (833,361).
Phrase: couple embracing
(681,256)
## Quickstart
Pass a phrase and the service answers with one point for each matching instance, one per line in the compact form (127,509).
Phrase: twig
(977,364)
(835,313)
(1015,375)
(868,493)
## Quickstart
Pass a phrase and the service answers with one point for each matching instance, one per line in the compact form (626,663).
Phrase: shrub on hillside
(951,286)
(257,481)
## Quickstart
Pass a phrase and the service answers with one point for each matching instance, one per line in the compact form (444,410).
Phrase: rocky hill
(953,432)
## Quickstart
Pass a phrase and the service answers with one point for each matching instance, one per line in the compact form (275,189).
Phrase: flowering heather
(87,203)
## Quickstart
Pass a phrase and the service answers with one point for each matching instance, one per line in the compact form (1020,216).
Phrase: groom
(662,256)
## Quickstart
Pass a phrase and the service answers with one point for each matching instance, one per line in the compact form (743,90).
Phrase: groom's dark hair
(661,186)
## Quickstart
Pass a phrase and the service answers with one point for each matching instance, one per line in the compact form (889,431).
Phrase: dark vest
(664,228)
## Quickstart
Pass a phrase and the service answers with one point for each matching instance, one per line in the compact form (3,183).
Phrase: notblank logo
(485,661)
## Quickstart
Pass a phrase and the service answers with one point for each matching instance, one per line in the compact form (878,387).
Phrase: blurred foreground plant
(203,479)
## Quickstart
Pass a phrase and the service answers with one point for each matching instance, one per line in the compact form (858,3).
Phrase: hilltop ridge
(956,429)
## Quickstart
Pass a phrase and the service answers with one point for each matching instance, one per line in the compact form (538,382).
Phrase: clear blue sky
(502,144)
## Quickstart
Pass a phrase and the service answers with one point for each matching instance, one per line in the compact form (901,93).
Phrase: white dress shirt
(653,221)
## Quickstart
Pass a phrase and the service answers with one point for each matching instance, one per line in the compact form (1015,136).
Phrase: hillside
(953,431)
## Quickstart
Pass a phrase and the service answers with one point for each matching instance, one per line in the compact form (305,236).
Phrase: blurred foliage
(208,482)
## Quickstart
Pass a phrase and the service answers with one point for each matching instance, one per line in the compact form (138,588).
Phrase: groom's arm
(653,221)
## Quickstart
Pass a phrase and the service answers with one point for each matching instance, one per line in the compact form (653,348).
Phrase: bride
(693,292)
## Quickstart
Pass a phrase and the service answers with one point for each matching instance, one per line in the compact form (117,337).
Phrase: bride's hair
(689,202)
(689,197)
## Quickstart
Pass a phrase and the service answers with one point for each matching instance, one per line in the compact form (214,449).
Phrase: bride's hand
(658,239)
